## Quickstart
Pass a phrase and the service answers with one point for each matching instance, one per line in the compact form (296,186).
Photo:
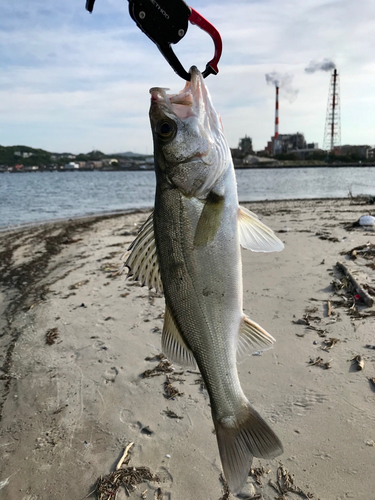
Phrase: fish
(190,250)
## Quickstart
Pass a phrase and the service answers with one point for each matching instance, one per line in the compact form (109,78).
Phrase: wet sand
(76,338)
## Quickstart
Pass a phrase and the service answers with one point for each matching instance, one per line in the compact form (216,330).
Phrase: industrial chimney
(276,119)
(277,114)
(332,130)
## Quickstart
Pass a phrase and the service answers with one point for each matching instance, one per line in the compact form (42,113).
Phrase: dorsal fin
(141,257)
(173,344)
(256,236)
(251,336)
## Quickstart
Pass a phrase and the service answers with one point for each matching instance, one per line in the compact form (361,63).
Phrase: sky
(71,81)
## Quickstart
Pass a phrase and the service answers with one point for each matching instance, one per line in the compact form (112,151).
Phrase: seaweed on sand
(126,476)
(163,367)
(51,335)
(285,484)
(169,390)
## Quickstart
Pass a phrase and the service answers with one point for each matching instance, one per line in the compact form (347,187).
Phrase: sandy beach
(78,341)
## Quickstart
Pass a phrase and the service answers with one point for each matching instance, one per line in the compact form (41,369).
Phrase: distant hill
(129,154)
(13,155)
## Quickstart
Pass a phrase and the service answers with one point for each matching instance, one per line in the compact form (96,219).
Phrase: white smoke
(325,65)
(283,81)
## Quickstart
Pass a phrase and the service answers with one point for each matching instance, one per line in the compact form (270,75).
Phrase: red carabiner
(196,18)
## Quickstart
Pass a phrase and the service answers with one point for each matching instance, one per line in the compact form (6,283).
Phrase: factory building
(288,143)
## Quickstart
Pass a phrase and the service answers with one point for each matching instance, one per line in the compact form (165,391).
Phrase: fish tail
(240,438)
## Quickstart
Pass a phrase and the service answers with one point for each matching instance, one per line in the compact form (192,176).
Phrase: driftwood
(329,308)
(367,299)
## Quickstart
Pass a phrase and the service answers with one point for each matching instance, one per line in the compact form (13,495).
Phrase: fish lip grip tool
(166,22)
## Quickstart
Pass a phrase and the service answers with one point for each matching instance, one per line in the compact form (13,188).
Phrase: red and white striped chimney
(277,114)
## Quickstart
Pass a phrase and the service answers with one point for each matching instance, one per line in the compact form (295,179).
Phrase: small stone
(248,491)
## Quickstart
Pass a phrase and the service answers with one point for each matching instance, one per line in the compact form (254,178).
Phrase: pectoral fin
(256,236)
(209,220)
(252,336)
(141,257)
(173,344)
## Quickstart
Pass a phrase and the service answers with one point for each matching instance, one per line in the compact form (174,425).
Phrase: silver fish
(189,248)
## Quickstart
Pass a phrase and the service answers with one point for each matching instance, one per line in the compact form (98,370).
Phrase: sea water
(35,197)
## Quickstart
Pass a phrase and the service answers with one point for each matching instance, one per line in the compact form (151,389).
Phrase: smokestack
(277,113)
(333,108)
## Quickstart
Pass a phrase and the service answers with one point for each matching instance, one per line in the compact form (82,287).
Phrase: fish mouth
(192,100)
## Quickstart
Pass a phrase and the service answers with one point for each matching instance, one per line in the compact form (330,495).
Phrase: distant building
(359,151)
(245,145)
(286,143)
(24,154)
(370,154)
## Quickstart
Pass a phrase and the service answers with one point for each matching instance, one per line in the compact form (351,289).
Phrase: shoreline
(69,408)
(77,218)
(236,167)
(148,209)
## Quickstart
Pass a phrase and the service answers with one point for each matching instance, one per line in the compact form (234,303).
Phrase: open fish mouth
(192,100)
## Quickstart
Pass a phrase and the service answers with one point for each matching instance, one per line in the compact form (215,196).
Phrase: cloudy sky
(74,81)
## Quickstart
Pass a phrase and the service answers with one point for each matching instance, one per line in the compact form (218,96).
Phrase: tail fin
(241,438)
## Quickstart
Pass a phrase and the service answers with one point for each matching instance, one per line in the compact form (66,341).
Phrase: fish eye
(166,129)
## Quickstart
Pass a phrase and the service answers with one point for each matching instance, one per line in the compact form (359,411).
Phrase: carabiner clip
(211,67)
(165,22)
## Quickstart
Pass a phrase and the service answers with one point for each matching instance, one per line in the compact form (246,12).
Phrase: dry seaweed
(307,319)
(366,251)
(320,362)
(78,284)
(158,494)
(226,492)
(329,343)
(320,331)
(52,335)
(257,473)
(163,367)
(157,357)
(169,390)
(285,484)
(126,476)
(324,235)
(172,414)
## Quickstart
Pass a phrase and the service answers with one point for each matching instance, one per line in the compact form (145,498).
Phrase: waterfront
(36,197)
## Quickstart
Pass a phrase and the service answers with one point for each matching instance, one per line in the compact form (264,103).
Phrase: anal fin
(252,335)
